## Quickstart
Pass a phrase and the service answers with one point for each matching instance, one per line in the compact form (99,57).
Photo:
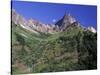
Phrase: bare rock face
(15,16)
(18,19)
(65,21)
(92,29)
(31,24)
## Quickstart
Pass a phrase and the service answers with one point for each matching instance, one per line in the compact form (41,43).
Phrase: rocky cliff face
(92,29)
(32,24)
(65,21)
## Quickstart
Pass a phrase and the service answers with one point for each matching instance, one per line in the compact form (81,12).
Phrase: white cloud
(54,20)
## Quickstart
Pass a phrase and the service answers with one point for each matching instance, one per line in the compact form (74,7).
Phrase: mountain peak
(66,20)
(69,18)
(66,15)
(92,29)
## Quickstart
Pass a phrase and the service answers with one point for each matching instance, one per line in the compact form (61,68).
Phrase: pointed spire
(67,14)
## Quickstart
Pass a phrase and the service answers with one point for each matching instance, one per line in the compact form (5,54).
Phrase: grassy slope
(73,49)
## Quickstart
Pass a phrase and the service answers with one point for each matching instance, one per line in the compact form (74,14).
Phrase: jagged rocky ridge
(36,26)
(32,24)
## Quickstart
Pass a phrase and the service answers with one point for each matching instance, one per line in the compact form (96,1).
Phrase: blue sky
(52,12)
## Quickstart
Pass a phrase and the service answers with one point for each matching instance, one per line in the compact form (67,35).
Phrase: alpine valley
(63,46)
